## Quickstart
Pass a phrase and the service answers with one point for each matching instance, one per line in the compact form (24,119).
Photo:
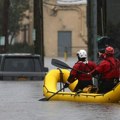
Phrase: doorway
(64,43)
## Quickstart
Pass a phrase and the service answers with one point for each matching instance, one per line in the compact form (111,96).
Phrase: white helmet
(82,54)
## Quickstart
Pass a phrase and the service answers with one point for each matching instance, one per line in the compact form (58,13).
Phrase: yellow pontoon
(50,88)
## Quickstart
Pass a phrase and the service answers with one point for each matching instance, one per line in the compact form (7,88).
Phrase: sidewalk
(70,61)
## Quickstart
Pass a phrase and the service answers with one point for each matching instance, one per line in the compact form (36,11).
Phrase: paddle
(63,65)
(46,99)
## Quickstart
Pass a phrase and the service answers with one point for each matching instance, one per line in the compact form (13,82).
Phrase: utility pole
(95,46)
(101,22)
(5,23)
(41,30)
(92,29)
(38,25)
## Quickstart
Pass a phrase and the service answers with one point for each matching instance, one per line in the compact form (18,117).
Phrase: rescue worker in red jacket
(108,69)
(84,66)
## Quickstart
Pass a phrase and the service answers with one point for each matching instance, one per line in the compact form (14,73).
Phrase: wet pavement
(19,100)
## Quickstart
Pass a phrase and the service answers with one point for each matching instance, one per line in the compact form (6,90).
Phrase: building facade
(65,29)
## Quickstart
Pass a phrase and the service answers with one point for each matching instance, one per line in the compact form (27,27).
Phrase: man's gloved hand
(66,85)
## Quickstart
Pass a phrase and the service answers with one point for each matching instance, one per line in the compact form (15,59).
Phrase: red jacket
(83,67)
(109,68)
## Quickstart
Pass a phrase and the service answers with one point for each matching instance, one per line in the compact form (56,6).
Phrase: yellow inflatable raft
(50,88)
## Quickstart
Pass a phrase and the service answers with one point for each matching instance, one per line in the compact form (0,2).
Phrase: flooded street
(19,101)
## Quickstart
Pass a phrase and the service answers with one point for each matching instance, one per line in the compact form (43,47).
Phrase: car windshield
(24,64)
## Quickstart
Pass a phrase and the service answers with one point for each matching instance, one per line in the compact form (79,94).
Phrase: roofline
(19,54)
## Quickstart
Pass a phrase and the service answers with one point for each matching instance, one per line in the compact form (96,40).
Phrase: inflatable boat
(51,91)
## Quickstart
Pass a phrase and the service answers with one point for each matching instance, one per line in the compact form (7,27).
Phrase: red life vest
(84,67)
(109,68)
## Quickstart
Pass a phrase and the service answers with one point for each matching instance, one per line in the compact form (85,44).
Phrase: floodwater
(19,100)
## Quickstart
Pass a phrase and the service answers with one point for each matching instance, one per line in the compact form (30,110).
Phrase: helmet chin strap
(84,60)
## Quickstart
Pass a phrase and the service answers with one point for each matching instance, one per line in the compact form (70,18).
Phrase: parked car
(21,66)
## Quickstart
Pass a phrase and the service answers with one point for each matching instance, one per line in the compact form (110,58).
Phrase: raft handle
(61,79)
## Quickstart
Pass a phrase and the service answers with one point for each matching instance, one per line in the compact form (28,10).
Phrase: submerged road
(19,101)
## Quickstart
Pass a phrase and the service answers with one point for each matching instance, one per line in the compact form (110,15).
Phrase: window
(25,64)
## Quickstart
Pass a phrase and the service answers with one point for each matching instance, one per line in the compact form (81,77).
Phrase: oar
(46,99)
(63,65)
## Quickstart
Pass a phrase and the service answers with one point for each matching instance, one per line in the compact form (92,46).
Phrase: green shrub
(21,48)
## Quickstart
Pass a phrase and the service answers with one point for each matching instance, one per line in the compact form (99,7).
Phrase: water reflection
(19,99)
(80,111)
(63,110)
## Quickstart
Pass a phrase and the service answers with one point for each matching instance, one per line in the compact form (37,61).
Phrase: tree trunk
(5,22)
